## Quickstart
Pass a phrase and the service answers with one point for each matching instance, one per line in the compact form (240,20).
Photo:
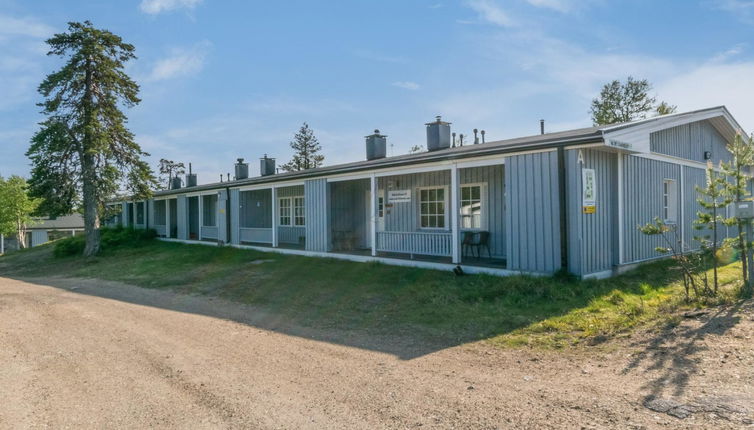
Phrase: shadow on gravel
(675,351)
(400,345)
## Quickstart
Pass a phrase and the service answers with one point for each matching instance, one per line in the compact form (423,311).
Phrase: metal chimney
(376,145)
(176,183)
(541,126)
(438,134)
(190,178)
(242,169)
(476,137)
(266,166)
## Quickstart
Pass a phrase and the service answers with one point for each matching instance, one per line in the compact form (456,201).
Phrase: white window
(285,211)
(432,207)
(299,211)
(472,207)
(669,201)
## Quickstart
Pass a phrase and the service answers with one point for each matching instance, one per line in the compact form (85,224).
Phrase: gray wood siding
(405,216)
(317,195)
(642,188)
(235,225)
(690,141)
(591,236)
(290,234)
(532,216)
(182,220)
(222,216)
(494,177)
(255,209)
(150,214)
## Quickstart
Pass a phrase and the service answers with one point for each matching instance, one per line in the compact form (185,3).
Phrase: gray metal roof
(538,141)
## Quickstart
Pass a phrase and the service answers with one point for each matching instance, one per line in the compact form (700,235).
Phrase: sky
(227,79)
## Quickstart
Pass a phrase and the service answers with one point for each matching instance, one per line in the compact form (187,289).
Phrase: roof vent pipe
(438,134)
(541,126)
(454,139)
(476,138)
(190,178)
(242,169)
(482,136)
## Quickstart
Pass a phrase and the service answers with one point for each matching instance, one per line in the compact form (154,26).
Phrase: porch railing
(412,242)
(209,232)
(260,235)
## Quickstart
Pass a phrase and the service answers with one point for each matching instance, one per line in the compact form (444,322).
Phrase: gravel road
(93,354)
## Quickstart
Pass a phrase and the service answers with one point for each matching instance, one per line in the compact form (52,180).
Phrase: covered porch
(272,217)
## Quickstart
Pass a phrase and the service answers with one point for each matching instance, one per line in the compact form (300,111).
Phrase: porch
(272,217)
(420,217)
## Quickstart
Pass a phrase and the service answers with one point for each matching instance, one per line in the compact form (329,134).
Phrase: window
(160,212)
(380,206)
(471,207)
(209,210)
(140,213)
(669,201)
(285,211)
(299,211)
(432,208)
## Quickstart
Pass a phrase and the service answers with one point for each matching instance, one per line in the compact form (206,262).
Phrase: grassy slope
(332,293)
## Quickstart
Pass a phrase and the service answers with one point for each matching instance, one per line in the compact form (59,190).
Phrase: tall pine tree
(83,154)
(306,149)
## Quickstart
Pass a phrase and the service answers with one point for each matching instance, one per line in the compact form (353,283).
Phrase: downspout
(227,216)
(563,208)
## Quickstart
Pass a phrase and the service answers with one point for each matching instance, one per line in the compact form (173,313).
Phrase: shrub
(110,238)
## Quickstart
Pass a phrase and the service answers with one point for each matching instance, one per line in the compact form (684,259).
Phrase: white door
(380,215)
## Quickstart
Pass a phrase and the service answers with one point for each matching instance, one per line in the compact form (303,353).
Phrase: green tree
(306,149)
(622,102)
(83,153)
(16,208)
(737,190)
(665,108)
(714,198)
(168,170)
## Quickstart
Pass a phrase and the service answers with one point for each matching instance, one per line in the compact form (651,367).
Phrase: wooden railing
(412,242)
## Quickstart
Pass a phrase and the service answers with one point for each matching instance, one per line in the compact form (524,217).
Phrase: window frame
(446,209)
(294,207)
(280,212)
(669,201)
(483,226)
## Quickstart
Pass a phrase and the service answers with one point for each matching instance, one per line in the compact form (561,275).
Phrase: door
(380,215)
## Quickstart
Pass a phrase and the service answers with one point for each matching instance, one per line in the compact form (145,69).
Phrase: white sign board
(399,196)
(588,190)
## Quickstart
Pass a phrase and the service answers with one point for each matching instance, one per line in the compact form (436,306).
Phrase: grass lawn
(315,292)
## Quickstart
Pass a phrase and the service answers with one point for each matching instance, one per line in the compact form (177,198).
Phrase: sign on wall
(399,196)
(588,191)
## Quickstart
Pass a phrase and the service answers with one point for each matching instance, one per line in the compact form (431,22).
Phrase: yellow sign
(590,209)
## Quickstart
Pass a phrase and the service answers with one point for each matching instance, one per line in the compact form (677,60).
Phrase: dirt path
(93,354)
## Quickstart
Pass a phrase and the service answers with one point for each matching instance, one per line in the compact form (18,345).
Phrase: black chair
(476,240)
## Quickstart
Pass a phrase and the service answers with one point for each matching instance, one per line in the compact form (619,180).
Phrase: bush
(110,238)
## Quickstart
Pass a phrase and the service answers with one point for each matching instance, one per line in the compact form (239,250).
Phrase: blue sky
(227,79)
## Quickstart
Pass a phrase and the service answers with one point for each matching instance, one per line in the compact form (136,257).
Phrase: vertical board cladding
(222,216)
(591,235)
(493,178)
(182,221)
(348,208)
(291,234)
(150,214)
(404,216)
(532,216)
(193,218)
(294,191)
(235,205)
(317,195)
(255,209)
(693,178)
(643,201)
(690,141)
(124,214)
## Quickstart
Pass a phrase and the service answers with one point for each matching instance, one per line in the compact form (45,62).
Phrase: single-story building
(43,230)
(565,200)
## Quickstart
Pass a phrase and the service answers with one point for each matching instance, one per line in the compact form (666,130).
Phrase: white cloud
(180,63)
(154,7)
(491,12)
(406,85)
(558,5)
(29,27)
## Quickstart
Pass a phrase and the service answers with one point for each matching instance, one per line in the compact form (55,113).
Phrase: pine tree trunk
(89,173)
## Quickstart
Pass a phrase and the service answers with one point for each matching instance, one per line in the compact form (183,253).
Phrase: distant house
(44,230)
(568,200)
